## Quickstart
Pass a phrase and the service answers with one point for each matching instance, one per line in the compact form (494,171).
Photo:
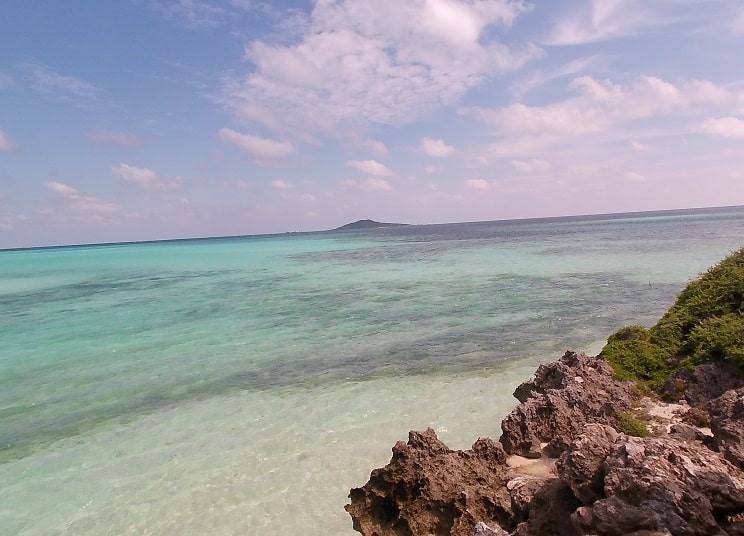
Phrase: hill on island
(366,224)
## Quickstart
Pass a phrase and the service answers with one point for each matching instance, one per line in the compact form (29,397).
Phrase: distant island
(366,224)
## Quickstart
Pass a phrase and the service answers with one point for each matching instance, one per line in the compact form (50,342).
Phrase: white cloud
(309,197)
(436,148)
(258,148)
(45,80)
(553,119)
(5,144)
(8,221)
(454,22)
(82,203)
(707,91)
(115,139)
(385,62)
(638,146)
(478,184)
(598,105)
(376,147)
(146,178)
(141,176)
(539,78)
(530,166)
(62,189)
(647,96)
(603,20)
(369,185)
(281,185)
(726,127)
(370,167)
(737,21)
(632,176)
(93,204)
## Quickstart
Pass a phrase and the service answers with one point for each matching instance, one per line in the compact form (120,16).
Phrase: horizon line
(612,215)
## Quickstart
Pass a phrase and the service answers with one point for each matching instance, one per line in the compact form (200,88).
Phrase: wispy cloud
(62,189)
(725,127)
(632,176)
(737,21)
(145,178)
(79,202)
(602,20)
(543,121)
(540,77)
(141,176)
(376,147)
(436,148)
(478,184)
(116,139)
(192,14)
(46,80)
(6,80)
(535,165)
(243,4)
(384,62)
(281,185)
(638,146)
(594,21)
(370,167)
(5,144)
(256,147)
(8,221)
(368,185)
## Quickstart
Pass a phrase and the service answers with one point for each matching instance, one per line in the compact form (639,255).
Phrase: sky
(155,119)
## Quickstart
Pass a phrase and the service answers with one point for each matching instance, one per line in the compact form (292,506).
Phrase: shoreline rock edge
(563,466)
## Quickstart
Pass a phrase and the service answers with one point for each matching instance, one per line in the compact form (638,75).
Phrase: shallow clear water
(243,385)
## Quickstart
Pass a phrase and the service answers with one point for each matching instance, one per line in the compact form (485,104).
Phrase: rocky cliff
(566,465)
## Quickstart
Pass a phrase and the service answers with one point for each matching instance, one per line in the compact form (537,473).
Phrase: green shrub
(632,425)
(634,357)
(718,338)
(706,323)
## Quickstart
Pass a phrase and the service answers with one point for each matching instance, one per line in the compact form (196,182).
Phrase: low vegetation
(705,324)
(633,424)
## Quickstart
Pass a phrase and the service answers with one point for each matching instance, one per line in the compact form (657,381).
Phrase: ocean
(242,385)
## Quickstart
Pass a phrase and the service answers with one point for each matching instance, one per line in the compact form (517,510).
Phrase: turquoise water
(243,385)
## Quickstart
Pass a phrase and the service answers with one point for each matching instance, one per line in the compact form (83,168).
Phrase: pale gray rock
(481,529)
(727,425)
(563,397)
(582,466)
(649,484)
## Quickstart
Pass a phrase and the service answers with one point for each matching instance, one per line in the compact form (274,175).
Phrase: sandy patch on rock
(542,467)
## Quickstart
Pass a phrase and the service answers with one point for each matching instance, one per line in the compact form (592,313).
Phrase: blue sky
(151,119)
